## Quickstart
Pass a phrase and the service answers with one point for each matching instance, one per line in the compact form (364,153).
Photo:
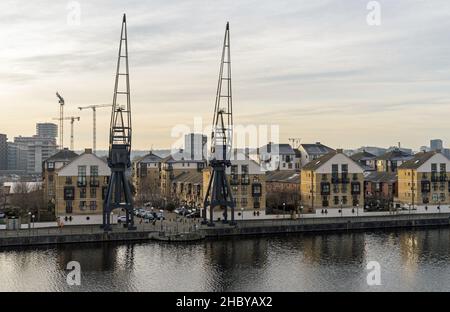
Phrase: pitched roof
(316,149)
(284,149)
(179,158)
(288,176)
(63,155)
(362,156)
(418,160)
(149,158)
(381,176)
(194,177)
(395,154)
(315,164)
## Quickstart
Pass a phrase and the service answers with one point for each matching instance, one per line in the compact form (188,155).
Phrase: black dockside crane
(118,193)
(219,193)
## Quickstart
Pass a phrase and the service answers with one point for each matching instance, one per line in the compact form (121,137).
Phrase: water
(413,260)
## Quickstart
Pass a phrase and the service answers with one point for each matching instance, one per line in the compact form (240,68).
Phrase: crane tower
(219,193)
(118,193)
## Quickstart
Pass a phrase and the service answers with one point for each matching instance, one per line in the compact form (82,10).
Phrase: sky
(316,69)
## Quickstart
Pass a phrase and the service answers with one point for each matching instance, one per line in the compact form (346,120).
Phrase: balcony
(94,183)
(81,183)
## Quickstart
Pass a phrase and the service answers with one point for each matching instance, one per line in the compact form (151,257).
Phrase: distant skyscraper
(195,146)
(3,152)
(47,130)
(436,145)
(34,150)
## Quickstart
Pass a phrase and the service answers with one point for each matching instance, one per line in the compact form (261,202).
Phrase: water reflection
(410,260)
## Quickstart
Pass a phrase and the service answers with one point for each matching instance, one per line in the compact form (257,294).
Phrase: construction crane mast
(118,193)
(94,115)
(219,193)
(72,121)
(61,120)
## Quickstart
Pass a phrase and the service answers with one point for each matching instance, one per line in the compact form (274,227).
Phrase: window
(69,206)
(425,186)
(256,203)
(244,202)
(244,189)
(93,192)
(334,173)
(93,205)
(69,180)
(94,176)
(356,188)
(355,176)
(256,190)
(325,188)
(435,197)
(344,200)
(69,193)
(335,188)
(82,205)
(83,192)
(336,200)
(244,169)
(442,197)
(51,165)
(443,168)
(81,175)
(324,177)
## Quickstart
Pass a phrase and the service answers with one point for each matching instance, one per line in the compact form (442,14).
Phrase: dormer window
(51,165)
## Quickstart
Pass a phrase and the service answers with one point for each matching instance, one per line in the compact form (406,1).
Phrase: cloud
(304,64)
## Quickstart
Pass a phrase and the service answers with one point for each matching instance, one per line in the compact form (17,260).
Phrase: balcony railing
(94,182)
(81,183)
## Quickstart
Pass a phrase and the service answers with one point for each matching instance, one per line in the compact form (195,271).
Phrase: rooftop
(287,176)
(63,155)
(418,160)
(194,177)
(315,164)
(395,154)
(316,149)
(377,176)
(363,156)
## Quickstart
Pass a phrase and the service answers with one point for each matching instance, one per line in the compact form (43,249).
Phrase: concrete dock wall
(250,227)
(264,227)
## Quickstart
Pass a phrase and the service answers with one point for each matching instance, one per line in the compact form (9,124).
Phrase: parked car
(193,214)
(149,216)
(2,215)
(121,219)
(160,216)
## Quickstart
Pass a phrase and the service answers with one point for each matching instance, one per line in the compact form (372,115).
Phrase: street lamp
(284,210)
(301,210)
(342,213)
(357,209)
(242,213)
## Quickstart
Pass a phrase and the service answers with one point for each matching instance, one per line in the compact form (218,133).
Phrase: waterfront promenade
(172,225)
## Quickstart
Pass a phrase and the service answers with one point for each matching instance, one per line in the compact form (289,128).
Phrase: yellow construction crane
(72,120)
(94,114)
